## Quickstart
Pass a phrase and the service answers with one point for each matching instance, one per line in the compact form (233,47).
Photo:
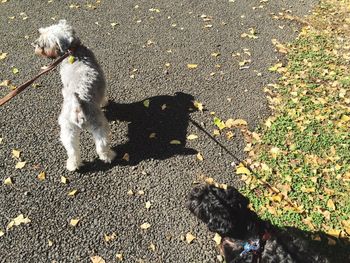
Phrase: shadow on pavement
(157,129)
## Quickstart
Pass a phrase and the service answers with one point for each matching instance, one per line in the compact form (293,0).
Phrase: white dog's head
(55,40)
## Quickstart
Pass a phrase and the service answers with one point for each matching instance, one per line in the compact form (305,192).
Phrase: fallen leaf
(41,176)
(97,259)
(119,257)
(163,106)
(20,165)
(175,142)
(2,233)
(64,180)
(241,169)
(73,192)
(74,222)
(8,181)
(17,221)
(215,54)
(141,192)
(275,67)
(3,56)
(114,24)
(330,204)
(130,192)
(50,243)
(199,156)
(148,204)
(217,239)
(192,66)
(5,83)
(145,226)
(110,237)
(198,105)
(16,153)
(192,137)
(146,103)
(152,247)
(126,157)
(219,123)
(152,135)
(190,238)
(71,59)
(15,70)
(231,123)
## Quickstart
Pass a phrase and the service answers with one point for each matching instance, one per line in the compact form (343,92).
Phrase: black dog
(247,238)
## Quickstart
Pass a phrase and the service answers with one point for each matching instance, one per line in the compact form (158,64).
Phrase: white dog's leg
(101,137)
(70,137)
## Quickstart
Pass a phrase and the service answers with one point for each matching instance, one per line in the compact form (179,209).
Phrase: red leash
(26,84)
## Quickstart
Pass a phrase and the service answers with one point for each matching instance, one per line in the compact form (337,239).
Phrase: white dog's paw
(73,164)
(108,156)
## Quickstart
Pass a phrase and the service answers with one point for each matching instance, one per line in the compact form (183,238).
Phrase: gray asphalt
(146,40)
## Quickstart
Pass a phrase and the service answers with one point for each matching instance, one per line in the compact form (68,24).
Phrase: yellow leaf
(219,123)
(189,238)
(50,243)
(5,83)
(199,156)
(146,103)
(215,54)
(110,237)
(74,222)
(152,247)
(152,135)
(241,169)
(198,105)
(119,256)
(334,232)
(64,180)
(345,118)
(148,204)
(277,198)
(141,192)
(230,135)
(3,56)
(216,132)
(307,190)
(130,192)
(2,233)
(20,165)
(231,123)
(114,24)
(275,67)
(8,181)
(71,59)
(145,226)
(73,192)
(126,157)
(16,153)
(217,239)
(17,221)
(15,70)
(209,180)
(175,142)
(42,176)
(330,204)
(97,259)
(192,66)
(192,137)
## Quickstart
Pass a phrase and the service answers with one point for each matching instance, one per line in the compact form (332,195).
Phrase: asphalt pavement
(144,48)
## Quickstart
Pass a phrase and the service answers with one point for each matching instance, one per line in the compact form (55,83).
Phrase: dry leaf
(114,24)
(73,192)
(242,170)
(119,257)
(192,66)
(16,153)
(74,222)
(17,221)
(3,56)
(215,54)
(64,180)
(146,103)
(8,181)
(110,237)
(97,259)
(20,165)
(192,137)
(330,205)
(126,157)
(175,142)
(152,247)
(50,243)
(2,233)
(152,135)
(189,238)
(148,204)
(145,226)
(199,156)
(198,105)
(217,239)
(42,176)
(15,70)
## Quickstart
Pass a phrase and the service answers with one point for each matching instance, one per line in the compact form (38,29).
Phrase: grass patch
(303,151)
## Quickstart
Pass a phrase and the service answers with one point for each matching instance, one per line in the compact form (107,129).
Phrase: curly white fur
(83,92)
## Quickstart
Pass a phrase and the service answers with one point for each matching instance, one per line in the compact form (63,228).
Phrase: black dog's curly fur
(226,212)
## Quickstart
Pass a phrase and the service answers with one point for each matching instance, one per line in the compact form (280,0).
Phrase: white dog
(83,92)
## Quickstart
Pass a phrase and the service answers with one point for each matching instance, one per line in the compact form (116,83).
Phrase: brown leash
(29,82)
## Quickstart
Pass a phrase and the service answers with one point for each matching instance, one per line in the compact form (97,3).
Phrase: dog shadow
(157,128)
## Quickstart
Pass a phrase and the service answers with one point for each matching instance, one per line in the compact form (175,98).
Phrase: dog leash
(22,87)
